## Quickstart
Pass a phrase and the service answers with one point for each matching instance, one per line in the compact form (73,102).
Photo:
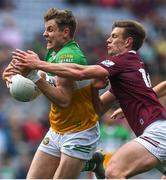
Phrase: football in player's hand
(23,89)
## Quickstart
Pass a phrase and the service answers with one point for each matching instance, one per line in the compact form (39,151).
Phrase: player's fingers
(14,53)
(18,57)
(20,52)
(14,60)
(8,82)
(115,114)
(9,73)
(8,68)
(6,76)
(19,65)
(112,119)
(15,68)
(12,65)
(31,52)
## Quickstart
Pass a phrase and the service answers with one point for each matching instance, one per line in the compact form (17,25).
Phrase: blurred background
(23,125)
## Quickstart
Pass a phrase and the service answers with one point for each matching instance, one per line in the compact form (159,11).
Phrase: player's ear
(129,41)
(66,31)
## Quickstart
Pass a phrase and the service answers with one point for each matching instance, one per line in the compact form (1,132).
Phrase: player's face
(116,42)
(53,36)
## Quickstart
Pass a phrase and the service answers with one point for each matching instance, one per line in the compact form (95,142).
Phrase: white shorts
(154,139)
(80,145)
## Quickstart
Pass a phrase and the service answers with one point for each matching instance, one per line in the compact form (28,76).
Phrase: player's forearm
(54,94)
(62,69)
(160,89)
(98,106)
(73,71)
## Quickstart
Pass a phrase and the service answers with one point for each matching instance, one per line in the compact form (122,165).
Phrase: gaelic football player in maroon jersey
(131,87)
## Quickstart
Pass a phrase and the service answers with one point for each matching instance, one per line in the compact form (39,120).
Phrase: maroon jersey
(131,85)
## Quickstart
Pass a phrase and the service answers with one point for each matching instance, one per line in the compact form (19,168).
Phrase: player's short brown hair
(132,29)
(63,18)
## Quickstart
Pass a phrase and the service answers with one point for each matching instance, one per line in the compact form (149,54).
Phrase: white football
(23,89)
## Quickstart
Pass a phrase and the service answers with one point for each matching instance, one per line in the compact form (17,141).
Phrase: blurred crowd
(23,125)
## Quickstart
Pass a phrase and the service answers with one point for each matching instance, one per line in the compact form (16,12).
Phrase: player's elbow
(164,84)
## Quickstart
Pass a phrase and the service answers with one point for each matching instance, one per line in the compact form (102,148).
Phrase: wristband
(50,80)
(34,76)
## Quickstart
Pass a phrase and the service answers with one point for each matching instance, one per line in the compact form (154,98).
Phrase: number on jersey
(145,77)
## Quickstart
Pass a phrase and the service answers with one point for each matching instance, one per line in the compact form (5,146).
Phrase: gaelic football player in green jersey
(74,133)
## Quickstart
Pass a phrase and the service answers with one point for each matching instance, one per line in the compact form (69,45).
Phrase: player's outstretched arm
(160,89)
(68,70)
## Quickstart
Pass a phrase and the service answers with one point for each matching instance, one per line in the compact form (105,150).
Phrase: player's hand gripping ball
(23,89)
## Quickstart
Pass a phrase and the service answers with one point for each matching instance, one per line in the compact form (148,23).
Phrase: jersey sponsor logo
(46,140)
(66,58)
(107,63)
(141,120)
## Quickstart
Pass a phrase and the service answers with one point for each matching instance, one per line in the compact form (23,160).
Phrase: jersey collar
(132,51)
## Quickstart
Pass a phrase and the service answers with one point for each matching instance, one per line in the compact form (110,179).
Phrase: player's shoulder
(126,55)
(126,58)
